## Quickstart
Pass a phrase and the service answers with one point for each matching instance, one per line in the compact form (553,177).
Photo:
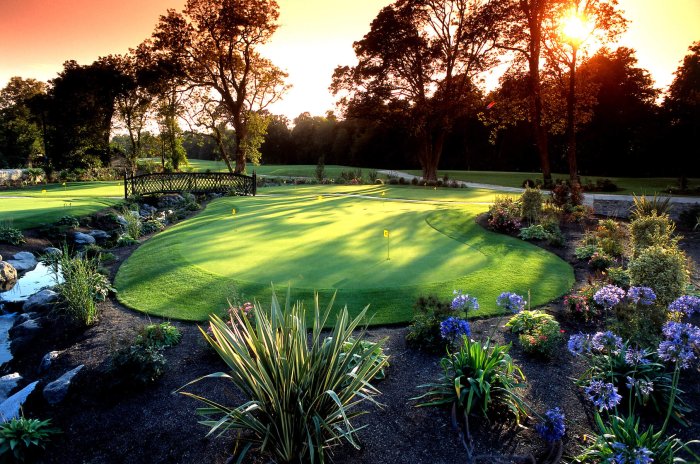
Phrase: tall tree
(682,105)
(216,44)
(418,63)
(574,28)
(21,140)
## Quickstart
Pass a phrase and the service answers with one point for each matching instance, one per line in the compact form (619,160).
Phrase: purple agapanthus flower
(464,302)
(511,302)
(644,296)
(681,342)
(628,455)
(453,329)
(609,296)
(603,395)
(579,344)
(606,342)
(552,428)
(635,357)
(687,304)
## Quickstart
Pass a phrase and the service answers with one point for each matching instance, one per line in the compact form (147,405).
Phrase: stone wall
(621,208)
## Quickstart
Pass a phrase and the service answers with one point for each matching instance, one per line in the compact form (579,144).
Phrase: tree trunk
(570,121)
(240,130)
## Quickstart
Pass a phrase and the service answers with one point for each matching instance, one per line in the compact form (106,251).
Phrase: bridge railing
(195,182)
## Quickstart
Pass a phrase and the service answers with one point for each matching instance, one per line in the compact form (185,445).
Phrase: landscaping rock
(147,211)
(99,235)
(8,276)
(47,360)
(10,408)
(51,251)
(83,239)
(28,328)
(56,391)
(23,261)
(42,301)
(22,318)
(7,384)
(170,201)
(122,222)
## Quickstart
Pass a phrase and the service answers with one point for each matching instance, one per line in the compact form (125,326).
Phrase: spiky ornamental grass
(302,391)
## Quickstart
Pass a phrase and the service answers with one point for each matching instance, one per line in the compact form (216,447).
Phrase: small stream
(39,278)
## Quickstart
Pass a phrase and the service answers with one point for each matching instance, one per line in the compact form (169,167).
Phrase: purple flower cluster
(629,455)
(579,343)
(687,304)
(641,295)
(603,395)
(464,302)
(635,357)
(453,329)
(609,296)
(645,387)
(552,428)
(681,342)
(606,342)
(511,302)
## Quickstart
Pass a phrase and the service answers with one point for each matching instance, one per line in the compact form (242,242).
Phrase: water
(6,323)
(30,283)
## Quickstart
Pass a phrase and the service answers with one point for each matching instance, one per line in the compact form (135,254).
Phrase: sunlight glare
(575,27)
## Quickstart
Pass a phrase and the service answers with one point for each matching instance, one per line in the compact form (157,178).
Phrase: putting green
(316,238)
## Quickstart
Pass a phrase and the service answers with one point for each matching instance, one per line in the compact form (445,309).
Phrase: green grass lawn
(42,204)
(628,185)
(321,238)
(286,170)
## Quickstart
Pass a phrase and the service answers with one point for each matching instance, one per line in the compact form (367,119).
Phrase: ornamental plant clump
(552,427)
(479,378)
(543,339)
(424,330)
(664,269)
(22,439)
(162,335)
(453,329)
(511,302)
(504,215)
(301,392)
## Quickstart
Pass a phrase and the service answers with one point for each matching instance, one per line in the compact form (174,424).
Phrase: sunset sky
(37,36)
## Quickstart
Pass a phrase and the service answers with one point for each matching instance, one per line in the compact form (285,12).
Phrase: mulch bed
(103,423)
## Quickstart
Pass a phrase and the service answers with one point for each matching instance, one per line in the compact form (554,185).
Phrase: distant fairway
(336,242)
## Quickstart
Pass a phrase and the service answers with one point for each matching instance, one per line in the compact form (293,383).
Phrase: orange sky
(36,36)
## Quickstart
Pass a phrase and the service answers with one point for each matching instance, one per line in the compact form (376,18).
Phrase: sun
(575,27)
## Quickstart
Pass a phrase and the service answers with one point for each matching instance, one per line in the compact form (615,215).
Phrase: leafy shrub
(504,215)
(543,339)
(664,269)
(525,321)
(300,391)
(585,252)
(651,230)
(424,331)
(611,237)
(372,176)
(582,305)
(11,235)
(22,438)
(161,335)
(139,364)
(581,214)
(479,378)
(133,223)
(560,194)
(320,169)
(151,226)
(535,232)
(619,276)
(83,285)
(126,240)
(68,221)
(642,206)
(600,261)
(690,217)
(622,441)
(531,204)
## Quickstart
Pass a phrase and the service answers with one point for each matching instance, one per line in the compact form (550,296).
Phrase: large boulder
(7,384)
(23,261)
(170,201)
(27,328)
(147,211)
(53,252)
(56,391)
(99,235)
(8,276)
(83,239)
(47,360)
(41,301)
(10,408)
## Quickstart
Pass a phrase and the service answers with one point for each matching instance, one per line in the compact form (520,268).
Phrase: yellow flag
(386,232)
(233,211)
(320,197)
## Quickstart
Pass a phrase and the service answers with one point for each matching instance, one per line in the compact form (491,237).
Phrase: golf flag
(386,233)
(233,211)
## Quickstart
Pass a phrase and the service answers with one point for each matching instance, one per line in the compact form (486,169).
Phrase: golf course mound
(371,249)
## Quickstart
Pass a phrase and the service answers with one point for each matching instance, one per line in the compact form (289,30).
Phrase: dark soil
(103,422)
